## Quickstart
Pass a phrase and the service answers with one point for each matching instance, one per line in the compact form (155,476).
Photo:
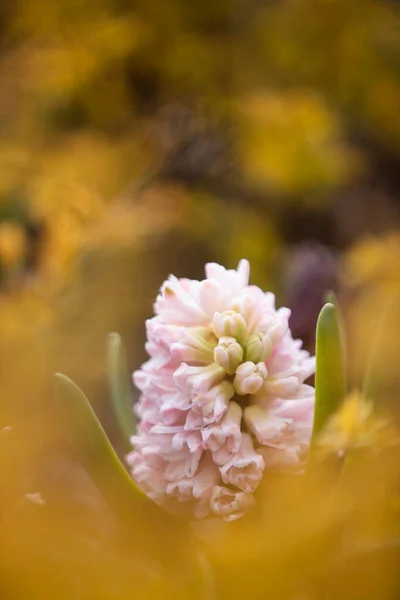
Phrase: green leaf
(94,449)
(120,386)
(145,526)
(330,378)
(331,298)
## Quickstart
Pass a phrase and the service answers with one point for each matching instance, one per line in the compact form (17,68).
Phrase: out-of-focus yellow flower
(12,243)
(356,425)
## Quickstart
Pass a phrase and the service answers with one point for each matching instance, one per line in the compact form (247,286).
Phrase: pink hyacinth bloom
(223,394)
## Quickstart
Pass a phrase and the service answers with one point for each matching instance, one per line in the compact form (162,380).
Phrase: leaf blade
(330,377)
(94,448)
(120,387)
(144,524)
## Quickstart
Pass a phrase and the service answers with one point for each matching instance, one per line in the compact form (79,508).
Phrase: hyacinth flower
(224,399)
(223,395)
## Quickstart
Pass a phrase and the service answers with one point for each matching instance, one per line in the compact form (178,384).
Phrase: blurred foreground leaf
(95,450)
(330,378)
(120,387)
(145,526)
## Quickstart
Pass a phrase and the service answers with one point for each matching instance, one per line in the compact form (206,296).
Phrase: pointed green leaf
(95,450)
(331,298)
(330,378)
(145,526)
(120,386)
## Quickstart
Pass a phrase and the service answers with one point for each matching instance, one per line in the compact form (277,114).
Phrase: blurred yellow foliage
(356,425)
(374,262)
(12,244)
(372,275)
(291,141)
(82,84)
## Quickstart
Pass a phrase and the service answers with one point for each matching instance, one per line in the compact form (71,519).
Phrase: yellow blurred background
(139,139)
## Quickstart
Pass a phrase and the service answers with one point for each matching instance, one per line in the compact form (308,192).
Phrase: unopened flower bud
(257,347)
(228,354)
(249,377)
(229,324)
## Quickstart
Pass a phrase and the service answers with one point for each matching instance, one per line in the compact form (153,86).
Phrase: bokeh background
(139,139)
